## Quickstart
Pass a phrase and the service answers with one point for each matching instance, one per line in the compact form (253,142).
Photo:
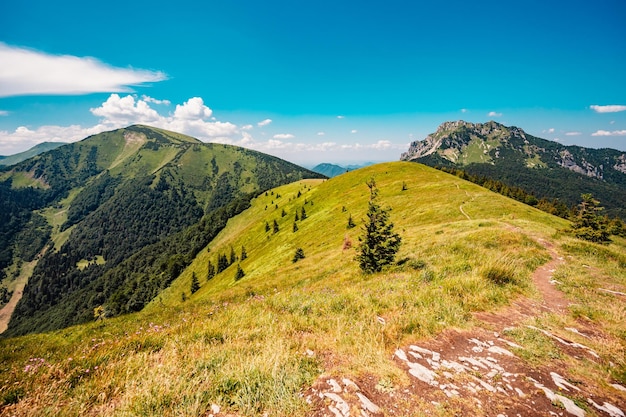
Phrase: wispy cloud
(4,113)
(149,99)
(341,117)
(30,72)
(611,108)
(264,122)
(609,133)
(283,136)
(573,133)
(494,114)
(354,131)
(320,133)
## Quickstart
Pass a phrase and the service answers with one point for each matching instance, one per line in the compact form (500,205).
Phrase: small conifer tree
(297,217)
(298,255)
(244,254)
(267,227)
(195,284)
(295,227)
(283,213)
(351,223)
(276,228)
(211,273)
(379,243)
(233,256)
(588,223)
(239,274)
(303,213)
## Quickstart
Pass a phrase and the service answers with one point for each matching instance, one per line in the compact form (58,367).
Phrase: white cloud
(607,133)
(264,122)
(573,133)
(4,113)
(353,131)
(117,112)
(121,111)
(246,127)
(283,136)
(28,72)
(341,117)
(382,145)
(320,133)
(192,109)
(463,110)
(494,114)
(612,108)
(149,99)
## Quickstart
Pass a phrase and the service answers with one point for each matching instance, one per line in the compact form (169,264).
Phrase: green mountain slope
(118,193)
(545,168)
(34,151)
(263,344)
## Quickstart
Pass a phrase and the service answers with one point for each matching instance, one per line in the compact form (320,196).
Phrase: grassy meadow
(254,345)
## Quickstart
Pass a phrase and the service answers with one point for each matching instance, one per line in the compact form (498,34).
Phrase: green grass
(246,344)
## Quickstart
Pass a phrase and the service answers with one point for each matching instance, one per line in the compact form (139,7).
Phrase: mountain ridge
(112,195)
(29,153)
(545,168)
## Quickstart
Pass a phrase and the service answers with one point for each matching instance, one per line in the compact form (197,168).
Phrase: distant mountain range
(545,168)
(121,213)
(34,151)
(332,170)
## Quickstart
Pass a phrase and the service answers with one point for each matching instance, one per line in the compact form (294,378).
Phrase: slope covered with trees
(113,196)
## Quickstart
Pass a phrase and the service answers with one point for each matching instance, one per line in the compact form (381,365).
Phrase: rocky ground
(476,372)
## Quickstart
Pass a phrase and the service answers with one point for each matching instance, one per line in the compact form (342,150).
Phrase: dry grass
(252,346)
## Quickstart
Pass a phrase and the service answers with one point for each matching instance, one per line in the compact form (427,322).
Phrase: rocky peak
(458,134)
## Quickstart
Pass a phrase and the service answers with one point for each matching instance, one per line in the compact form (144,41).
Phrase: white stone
(335,385)
(401,355)
(561,382)
(423,374)
(500,351)
(610,409)
(367,404)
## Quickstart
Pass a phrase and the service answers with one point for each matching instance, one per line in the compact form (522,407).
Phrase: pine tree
(195,284)
(303,213)
(295,227)
(233,256)
(267,227)
(351,223)
(222,263)
(297,218)
(276,228)
(379,244)
(588,223)
(244,254)
(298,255)
(239,274)
(211,272)
(283,213)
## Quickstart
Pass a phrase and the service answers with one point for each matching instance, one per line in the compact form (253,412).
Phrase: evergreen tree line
(62,295)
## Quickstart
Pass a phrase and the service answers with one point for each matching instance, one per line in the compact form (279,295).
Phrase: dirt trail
(476,372)
(7,310)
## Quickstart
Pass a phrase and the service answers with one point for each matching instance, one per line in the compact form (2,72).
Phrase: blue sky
(323,81)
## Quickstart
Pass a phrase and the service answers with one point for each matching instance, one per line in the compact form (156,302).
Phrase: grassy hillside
(254,346)
(106,199)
